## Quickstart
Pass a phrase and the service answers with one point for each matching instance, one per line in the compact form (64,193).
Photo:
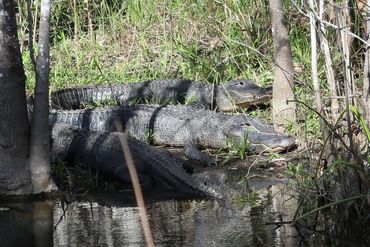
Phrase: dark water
(111,219)
(173,223)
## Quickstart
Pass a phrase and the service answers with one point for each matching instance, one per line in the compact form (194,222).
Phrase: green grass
(104,41)
(236,150)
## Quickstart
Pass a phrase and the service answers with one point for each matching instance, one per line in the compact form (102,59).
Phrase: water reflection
(26,224)
(111,219)
(91,224)
(174,223)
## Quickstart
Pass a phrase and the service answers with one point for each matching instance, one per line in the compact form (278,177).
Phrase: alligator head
(241,93)
(260,137)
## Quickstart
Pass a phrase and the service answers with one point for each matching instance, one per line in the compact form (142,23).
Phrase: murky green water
(111,219)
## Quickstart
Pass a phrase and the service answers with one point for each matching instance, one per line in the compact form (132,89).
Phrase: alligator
(222,97)
(180,125)
(102,151)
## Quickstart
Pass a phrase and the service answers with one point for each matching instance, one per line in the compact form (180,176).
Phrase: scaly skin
(102,150)
(179,126)
(222,97)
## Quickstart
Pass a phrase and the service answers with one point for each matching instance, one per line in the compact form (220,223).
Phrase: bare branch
(315,77)
(366,86)
(335,108)
(341,18)
(329,24)
(30,34)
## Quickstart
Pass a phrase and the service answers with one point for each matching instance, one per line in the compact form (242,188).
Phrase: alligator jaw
(261,148)
(260,140)
(273,143)
(246,101)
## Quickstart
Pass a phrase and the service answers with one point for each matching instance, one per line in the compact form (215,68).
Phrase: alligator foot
(191,152)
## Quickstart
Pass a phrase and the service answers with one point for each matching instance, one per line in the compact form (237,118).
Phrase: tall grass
(105,41)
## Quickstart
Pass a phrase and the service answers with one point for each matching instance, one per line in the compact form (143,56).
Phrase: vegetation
(106,41)
(236,150)
(101,41)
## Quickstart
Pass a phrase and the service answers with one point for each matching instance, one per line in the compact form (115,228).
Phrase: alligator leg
(191,151)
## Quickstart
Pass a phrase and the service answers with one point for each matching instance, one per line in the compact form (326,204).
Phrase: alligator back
(176,125)
(158,91)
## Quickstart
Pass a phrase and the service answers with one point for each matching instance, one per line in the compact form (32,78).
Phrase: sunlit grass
(103,41)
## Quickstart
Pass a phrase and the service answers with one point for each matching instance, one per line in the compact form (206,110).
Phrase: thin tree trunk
(14,127)
(315,76)
(366,86)
(334,104)
(344,24)
(39,147)
(342,17)
(283,105)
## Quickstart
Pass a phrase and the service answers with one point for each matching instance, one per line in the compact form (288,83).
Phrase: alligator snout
(259,141)
(276,142)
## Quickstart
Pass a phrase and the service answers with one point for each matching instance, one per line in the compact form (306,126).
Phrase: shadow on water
(26,224)
(111,219)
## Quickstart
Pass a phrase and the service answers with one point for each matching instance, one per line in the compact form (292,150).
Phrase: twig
(330,24)
(343,97)
(326,123)
(329,65)
(315,78)
(137,188)
(366,83)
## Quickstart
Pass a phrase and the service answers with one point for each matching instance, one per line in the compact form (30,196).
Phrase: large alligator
(180,125)
(222,97)
(102,151)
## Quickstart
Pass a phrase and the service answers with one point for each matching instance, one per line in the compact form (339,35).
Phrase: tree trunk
(39,147)
(366,85)
(14,127)
(283,105)
(332,83)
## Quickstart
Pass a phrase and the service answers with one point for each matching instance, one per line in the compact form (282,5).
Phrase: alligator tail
(172,171)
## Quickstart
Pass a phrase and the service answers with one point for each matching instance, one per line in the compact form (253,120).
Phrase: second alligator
(180,125)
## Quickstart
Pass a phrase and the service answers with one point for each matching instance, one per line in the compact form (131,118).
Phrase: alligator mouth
(261,148)
(247,101)
(288,144)
(251,97)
